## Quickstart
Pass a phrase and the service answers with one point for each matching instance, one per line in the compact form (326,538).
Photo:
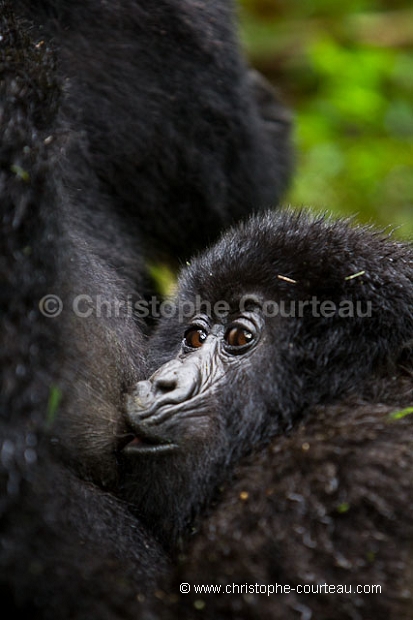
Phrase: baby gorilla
(287,312)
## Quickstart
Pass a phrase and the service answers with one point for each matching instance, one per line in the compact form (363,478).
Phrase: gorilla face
(213,356)
(289,311)
(185,417)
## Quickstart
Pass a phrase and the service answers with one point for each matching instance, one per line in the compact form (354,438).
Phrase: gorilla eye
(195,337)
(238,337)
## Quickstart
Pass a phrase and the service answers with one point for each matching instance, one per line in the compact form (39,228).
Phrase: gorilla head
(287,311)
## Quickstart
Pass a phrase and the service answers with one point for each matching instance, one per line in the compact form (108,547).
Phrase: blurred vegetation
(346,69)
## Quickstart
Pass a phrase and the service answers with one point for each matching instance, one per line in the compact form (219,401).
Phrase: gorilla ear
(269,105)
(405,359)
(393,327)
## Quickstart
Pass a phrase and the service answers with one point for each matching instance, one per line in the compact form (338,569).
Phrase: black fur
(326,508)
(67,548)
(329,499)
(120,123)
(179,134)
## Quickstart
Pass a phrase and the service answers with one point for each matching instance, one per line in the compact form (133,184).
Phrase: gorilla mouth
(145,444)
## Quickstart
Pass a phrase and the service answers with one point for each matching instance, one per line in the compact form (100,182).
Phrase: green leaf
(402,413)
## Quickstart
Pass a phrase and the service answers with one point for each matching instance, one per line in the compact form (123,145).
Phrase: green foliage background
(346,69)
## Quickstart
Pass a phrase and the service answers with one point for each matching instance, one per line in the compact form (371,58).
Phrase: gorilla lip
(141,444)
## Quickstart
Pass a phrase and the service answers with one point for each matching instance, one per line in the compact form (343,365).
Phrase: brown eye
(238,337)
(195,337)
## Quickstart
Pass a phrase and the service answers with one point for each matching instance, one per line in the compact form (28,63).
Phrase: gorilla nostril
(166,383)
(167,377)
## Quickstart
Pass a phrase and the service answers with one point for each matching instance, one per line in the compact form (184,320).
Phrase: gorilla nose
(166,378)
(172,384)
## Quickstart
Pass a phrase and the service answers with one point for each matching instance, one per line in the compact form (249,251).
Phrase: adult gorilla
(178,133)
(128,130)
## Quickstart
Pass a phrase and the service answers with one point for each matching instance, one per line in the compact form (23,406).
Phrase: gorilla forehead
(292,253)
